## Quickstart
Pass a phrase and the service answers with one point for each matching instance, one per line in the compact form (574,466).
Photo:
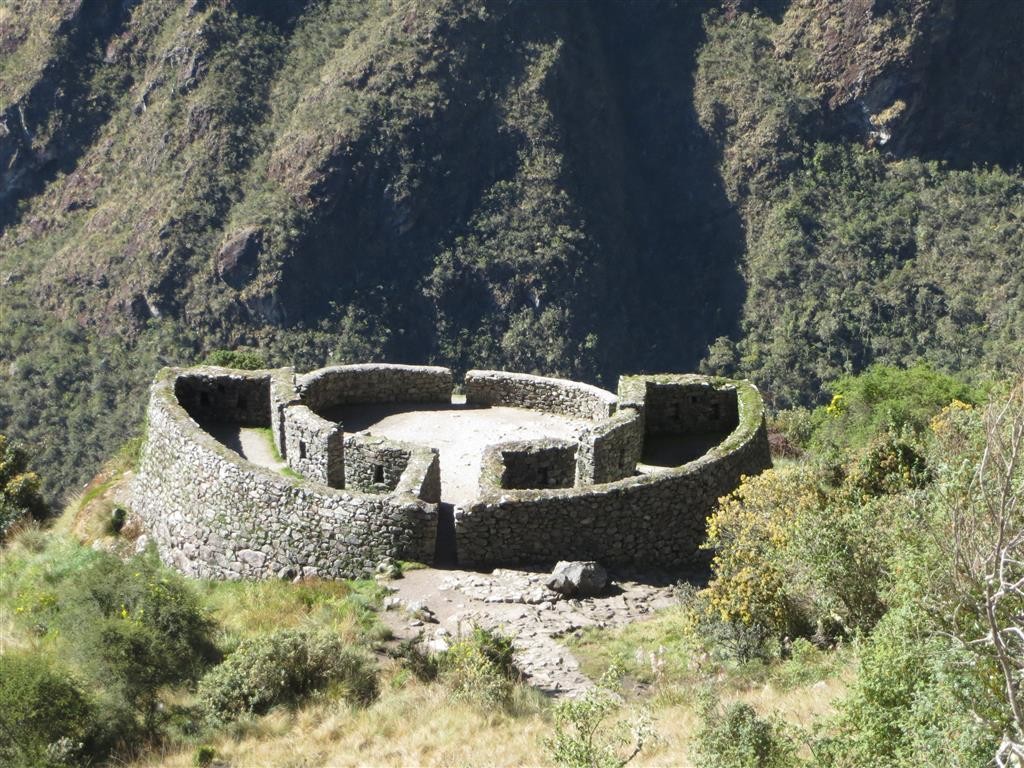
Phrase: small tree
(583,737)
(986,532)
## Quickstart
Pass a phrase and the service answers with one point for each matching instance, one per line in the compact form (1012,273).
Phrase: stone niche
(375,464)
(216,395)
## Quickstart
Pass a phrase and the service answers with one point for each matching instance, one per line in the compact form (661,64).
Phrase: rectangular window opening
(378,473)
(302,449)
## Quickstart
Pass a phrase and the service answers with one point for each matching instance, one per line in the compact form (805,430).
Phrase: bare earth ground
(460,433)
(516,603)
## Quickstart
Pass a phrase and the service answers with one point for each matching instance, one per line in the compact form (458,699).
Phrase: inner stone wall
(215,515)
(212,394)
(521,390)
(376,383)
(314,446)
(610,449)
(687,404)
(375,464)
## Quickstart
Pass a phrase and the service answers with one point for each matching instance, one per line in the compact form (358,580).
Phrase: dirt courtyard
(460,433)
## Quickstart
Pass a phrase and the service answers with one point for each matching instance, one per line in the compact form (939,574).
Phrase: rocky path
(439,604)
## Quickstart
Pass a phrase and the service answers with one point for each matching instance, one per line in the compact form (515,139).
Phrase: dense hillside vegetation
(569,188)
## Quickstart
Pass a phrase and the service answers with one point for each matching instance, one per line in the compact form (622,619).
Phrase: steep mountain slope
(566,188)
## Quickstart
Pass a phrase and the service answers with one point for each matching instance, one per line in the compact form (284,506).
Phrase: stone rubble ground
(439,604)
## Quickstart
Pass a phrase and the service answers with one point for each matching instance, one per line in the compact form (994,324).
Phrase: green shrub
(479,667)
(917,700)
(891,464)
(19,488)
(586,737)
(204,756)
(244,359)
(737,738)
(46,719)
(886,399)
(132,626)
(283,668)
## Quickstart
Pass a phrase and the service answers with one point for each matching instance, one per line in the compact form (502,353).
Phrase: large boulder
(581,578)
(238,258)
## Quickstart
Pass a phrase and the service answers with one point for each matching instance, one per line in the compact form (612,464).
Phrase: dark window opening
(378,473)
(302,449)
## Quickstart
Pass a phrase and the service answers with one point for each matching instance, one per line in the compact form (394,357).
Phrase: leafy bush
(19,488)
(245,359)
(131,627)
(283,668)
(737,738)
(917,700)
(479,667)
(886,399)
(753,590)
(794,559)
(46,719)
(584,737)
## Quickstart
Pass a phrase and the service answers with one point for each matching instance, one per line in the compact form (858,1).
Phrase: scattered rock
(584,578)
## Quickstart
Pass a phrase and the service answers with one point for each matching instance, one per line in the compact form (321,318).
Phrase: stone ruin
(630,482)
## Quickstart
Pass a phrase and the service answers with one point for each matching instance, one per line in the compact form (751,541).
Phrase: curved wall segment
(213,514)
(650,519)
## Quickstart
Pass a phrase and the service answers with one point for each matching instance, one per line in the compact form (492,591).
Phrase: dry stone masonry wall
(314,447)
(535,464)
(539,393)
(374,383)
(653,519)
(611,449)
(363,498)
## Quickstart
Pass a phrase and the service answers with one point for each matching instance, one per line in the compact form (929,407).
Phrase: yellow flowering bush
(750,534)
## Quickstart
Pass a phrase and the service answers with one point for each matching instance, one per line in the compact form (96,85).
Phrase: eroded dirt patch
(516,603)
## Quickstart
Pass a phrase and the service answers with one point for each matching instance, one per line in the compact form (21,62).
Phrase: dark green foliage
(245,359)
(204,756)
(853,263)
(46,718)
(917,698)
(285,667)
(132,627)
(886,398)
(734,736)
(19,488)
